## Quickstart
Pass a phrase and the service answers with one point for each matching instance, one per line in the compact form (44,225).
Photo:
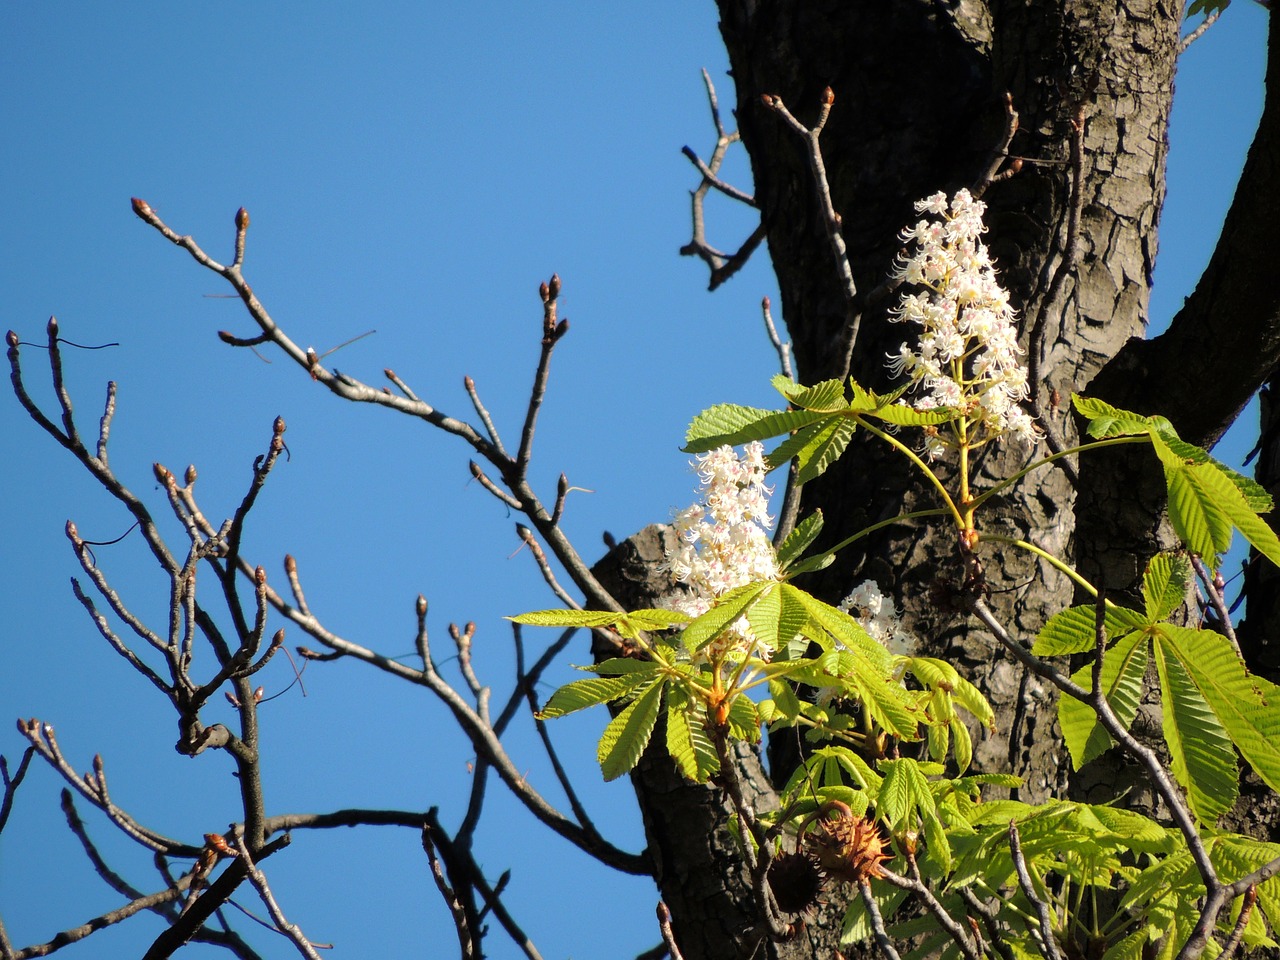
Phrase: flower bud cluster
(879,617)
(723,538)
(967,354)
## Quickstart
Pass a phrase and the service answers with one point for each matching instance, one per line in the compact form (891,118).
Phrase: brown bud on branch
(242,219)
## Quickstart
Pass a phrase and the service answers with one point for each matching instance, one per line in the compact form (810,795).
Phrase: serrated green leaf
(904,794)
(1164,585)
(888,409)
(1252,722)
(1235,856)
(1197,493)
(963,745)
(1254,494)
(785,701)
(688,743)
(628,733)
(815,447)
(824,397)
(656,619)
(1121,681)
(1201,758)
(1072,630)
(744,719)
(1106,421)
(972,699)
(590,693)
(702,630)
(568,618)
(728,423)
(1140,833)
(1256,530)
(799,539)
(618,666)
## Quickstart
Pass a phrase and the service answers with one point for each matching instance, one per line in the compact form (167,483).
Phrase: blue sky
(415,170)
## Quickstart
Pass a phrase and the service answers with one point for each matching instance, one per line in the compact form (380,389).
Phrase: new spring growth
(966,357)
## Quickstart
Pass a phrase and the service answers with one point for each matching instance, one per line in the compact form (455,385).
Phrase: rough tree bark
(920,106)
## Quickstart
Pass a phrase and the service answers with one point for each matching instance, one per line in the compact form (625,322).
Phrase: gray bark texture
(920,91)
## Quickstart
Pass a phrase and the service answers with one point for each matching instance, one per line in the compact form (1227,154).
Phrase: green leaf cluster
(1207,500)
(820,422)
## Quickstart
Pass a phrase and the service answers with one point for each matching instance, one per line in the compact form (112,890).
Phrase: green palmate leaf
(785,701)
(744,719)
(688,743)
(568,618)
(1073,630)
(1207,7)
(702,630)
(1255,495)
(1164,585)
(799,539)
(628,733)
(963,749)
(655,619)
(815,447)
(1141,833)
(907,804)
(1197,493)
(590,693)
(620,666)
(1235,856)
(887,408)
(1200,755)
(842,628)
(825,397)
(1121,681)
(1251,721)
(728,423)
(1106,421)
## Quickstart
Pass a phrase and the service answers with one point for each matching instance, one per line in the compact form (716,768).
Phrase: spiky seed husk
(849,848)
(796,882)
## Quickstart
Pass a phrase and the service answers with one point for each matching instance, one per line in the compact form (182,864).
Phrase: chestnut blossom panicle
(879,616)
(967,355)
(724,543)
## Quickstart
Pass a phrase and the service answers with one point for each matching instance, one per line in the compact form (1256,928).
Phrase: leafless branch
(468,948)
(722,265)
(830,218)
(668,936)
(1000,152)
(259,881)
(11,783)
(1237,933)
(1198,32)
(916,885)
(1048,941)
(877,922)
(1213,586)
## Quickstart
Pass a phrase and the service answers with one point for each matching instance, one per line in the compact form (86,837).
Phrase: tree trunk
(920,105)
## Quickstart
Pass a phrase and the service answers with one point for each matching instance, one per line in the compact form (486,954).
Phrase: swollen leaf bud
(258,694)
(190,477)
(421,606)
(554,286)
(544,292)
(72,533)
(11,338)
(828,96)
(163,474)
(242,219)
(290,565)
(768,99)
(226,336)
(260,576)
(52,327)
(562,328)
(766,303)
(141,208)
(277,427)
(468,383)
(278,639)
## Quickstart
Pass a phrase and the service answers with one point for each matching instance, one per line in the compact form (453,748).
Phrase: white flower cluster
(967,355)
(723,541)
(879,617)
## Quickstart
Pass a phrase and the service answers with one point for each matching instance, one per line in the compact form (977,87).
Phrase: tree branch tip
(290,565)
(561,329)
(260,576)
(242,219)
(554,285)
(164,475)
(828,97)
(52,326)
(142,208)
(278,426)
(420,606)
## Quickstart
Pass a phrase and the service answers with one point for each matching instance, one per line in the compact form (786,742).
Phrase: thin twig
(668,936)
(1198,32)
(466,943)
(831,219)
(259,881)
(1237,933)
(11,783)
(1048,942)
(1213,588)
(877,922)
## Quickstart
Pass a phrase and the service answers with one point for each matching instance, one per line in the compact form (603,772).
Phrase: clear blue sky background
(416,169)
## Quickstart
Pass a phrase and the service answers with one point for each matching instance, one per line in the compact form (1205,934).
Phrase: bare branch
(259,881)
(668,936)
(877,922)
(1048,941)
(11,783)
(465,938)
(830,218)
(1198,32)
